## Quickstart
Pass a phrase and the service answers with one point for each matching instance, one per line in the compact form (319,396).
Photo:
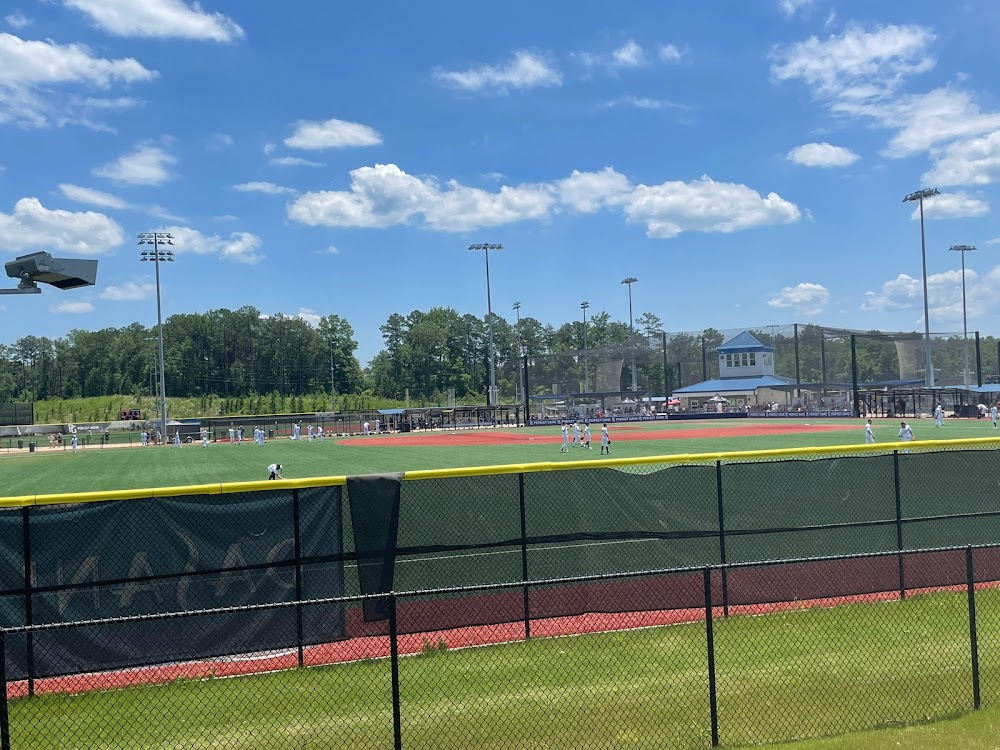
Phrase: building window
(736,361)
(753,359)
(729,360)
(745,362)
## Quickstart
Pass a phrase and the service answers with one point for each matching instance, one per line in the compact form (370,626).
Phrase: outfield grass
(780,676)
(94,468)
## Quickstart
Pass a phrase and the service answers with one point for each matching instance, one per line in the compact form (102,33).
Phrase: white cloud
(645,102)
(130,291)
(31,227)
(805,298)
(17,20)
(951,206)
(526,70)
(975,161)
(147,165)
(856,65)
(295,161)
(332,133)
(241,246)
(859,74)
(268,188)
(385,195)
(93,197)
(704,205)
(629,55)
(106,200)
(669,53)
(220,142)
(33,74)
(71,307)
(822,155)
(309,316)
(791,7)
(158,18)
(332,250)
(587,192)
(922,121)
(944,296)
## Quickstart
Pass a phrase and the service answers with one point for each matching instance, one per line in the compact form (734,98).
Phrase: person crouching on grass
(275,471)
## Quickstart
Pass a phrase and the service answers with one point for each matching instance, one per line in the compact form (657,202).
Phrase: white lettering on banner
(190,566)
(274,554)
(234,559)
(139,568)
(87,569)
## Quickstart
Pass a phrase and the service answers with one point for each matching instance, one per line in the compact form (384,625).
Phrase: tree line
(424,356)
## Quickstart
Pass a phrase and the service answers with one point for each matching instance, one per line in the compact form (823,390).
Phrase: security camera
(63,273)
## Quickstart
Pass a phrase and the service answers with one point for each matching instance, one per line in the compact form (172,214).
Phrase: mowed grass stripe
(95,469)
(793,674)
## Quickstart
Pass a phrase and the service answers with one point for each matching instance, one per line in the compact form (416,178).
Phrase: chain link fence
(671,671)
(120,616)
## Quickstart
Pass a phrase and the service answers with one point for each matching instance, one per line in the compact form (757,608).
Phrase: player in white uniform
(905,434)
(605,440)
(274,471)
(993,415)
(869,435)
(564,448)
(938,416)
(586,436)
(576,435)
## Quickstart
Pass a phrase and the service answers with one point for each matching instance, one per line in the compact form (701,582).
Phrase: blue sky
(746,161)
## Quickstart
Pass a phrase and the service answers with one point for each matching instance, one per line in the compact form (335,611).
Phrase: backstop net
(629,375)
(889,368)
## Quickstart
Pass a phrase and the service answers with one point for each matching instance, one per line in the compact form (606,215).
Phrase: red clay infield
(618,432)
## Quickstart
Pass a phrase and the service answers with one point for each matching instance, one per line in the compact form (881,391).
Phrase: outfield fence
(810,661)
(128,553)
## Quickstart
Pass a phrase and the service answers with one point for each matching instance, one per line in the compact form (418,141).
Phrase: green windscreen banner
(374,502)
(99,560)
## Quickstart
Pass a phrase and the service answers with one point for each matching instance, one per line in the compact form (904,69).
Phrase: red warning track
(488,436)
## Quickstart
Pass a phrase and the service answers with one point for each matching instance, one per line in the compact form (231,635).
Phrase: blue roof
(745,342)
(724,385)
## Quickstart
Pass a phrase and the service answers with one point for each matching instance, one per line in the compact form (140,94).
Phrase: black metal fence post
(527,392)
(970,581)
(524,557)
(397,730)
(722,539)
(297,551)
(4,718)
(28,615)
(899,526)
(979,364)
(855,395)
(710,647)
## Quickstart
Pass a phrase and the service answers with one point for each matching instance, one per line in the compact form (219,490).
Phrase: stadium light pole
(963,249)
(919,198)
(516,307)
(167,256)
(631,326)
(586,357)
(492,398)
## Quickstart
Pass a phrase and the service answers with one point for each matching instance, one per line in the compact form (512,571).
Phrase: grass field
(94,468)
(779,676)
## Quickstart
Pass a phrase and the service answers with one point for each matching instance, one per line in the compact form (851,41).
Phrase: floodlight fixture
(62,273)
